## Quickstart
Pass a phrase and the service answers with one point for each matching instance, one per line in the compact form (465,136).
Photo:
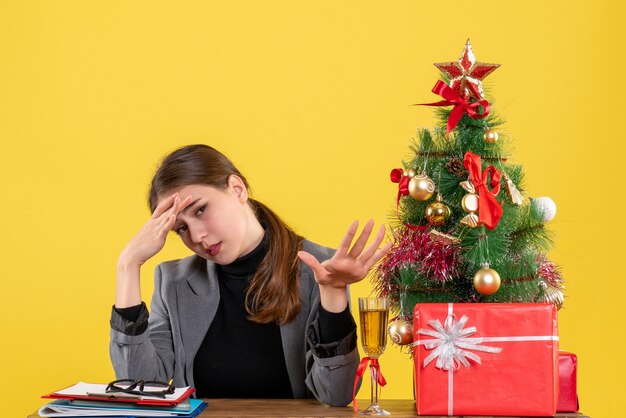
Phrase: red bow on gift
(397,176)
(461,105)
(360,371)
(489,209)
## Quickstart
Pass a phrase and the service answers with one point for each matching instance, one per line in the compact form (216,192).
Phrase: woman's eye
(181,229)
(200,210)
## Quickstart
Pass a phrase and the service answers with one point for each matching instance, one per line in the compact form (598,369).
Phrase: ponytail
(274,291)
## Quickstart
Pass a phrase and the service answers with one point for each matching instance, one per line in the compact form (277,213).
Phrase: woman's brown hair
(274,292)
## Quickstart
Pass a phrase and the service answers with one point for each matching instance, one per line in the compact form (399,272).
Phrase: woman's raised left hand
(347,266)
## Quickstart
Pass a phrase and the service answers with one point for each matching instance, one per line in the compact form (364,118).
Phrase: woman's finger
(183,205)
(166,226)
(168,218)
(377,256)
(371,249)
(176,208)
(362,240)
(171,212)
(164,205)
(311,261)
(344,246)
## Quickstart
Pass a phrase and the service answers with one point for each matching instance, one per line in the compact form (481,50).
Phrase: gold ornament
(421,187)
(514,194)
(468,186)
(401,331)
(442,238)
(469,203)
(490,136)
(437,213)
(410,172)
(486,281)
(552,295)
(471,220)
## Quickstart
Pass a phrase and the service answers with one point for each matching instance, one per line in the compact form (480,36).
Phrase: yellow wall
(311,100)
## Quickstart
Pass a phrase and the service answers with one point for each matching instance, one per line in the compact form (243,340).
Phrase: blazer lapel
(293,336)
(197,298)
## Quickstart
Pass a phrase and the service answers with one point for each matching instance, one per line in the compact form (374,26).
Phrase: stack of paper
(91,400)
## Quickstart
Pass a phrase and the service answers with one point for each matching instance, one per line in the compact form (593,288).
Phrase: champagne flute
(373,313)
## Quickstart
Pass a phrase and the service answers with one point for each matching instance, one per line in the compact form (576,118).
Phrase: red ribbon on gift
(489,209)
(461,105)
(360,371)
(397,176)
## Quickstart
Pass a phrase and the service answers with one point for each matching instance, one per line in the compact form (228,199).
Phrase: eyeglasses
(140,387)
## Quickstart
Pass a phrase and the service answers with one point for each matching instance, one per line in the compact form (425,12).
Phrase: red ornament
(465,75)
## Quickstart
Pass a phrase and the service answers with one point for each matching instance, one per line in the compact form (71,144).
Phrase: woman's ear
(237,186)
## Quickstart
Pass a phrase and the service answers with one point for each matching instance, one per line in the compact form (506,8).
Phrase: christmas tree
(464,230)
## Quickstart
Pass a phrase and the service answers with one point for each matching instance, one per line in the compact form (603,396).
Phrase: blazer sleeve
(331,367)
(149,355)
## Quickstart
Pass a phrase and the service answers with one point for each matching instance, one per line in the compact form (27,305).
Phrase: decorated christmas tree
(464,228)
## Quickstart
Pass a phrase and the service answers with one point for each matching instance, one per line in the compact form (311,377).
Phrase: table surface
(307,408)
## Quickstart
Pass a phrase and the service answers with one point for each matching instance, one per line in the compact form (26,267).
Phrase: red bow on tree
(360,371)
(461,104)
(489,209)
(397,176)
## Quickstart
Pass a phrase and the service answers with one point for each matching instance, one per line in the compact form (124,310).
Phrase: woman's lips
(214,249)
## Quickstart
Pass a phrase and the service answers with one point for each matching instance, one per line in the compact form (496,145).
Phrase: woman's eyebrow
(190,205)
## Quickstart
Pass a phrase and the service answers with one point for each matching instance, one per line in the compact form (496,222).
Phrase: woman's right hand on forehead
(147,242)
(151,238)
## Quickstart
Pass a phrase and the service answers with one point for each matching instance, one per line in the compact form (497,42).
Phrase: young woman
(257,312)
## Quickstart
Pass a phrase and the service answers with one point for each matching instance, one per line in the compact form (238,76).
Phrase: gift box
(568,395)
(486,359)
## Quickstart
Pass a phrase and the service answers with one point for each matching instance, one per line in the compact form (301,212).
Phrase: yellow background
(312,102)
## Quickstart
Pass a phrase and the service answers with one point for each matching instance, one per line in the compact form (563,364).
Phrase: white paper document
(87,389)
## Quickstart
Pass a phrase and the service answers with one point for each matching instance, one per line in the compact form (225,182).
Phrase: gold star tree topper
(465,75)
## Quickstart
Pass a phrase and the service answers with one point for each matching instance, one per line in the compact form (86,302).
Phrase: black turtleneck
(240,358)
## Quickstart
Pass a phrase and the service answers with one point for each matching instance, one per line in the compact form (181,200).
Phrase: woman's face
(218,224)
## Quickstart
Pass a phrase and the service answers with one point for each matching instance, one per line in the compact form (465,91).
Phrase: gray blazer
(184,302)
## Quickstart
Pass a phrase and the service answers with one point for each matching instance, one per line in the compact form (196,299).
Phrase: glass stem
(374,378)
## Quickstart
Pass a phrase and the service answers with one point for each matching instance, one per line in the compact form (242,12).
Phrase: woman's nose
(197,234)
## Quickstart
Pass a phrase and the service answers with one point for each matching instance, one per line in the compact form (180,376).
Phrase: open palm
(349,265)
